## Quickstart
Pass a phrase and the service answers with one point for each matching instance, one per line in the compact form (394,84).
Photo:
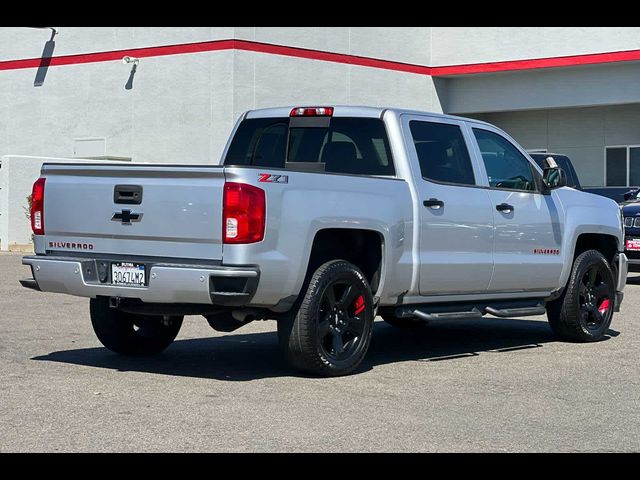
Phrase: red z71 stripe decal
(268,178)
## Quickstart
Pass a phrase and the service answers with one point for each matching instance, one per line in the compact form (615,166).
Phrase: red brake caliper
(604,306)
(358,305)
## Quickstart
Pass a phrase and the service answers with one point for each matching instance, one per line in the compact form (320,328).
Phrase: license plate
(129,274)
(633,244)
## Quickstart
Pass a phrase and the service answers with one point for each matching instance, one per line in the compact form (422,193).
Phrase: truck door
(528,238)
(456,221)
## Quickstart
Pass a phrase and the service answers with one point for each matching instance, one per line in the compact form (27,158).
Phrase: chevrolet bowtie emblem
(126,217)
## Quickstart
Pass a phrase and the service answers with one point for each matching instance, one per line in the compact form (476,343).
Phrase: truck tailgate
(179,214)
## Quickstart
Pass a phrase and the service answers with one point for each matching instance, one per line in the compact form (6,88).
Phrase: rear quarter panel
(310,202)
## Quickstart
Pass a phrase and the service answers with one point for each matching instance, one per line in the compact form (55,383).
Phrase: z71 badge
(268,178)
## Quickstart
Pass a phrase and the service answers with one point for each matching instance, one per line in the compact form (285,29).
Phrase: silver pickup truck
(321,218)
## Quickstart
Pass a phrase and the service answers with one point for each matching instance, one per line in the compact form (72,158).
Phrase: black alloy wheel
(341,322)
(596,304)
(329,331)
(584,310)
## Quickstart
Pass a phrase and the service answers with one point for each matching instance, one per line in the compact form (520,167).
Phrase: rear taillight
(37,207)
(244,213)
(311,112)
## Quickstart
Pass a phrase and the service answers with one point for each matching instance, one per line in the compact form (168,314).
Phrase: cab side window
(506,167)
(442,153)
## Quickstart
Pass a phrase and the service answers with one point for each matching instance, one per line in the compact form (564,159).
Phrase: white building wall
(181,108)
(605,84)
(400,44)
(4,202)
(262,81)
(462,45)
(23,42)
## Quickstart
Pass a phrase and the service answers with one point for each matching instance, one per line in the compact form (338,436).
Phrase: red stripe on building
(568,61)
(331,57)
(267,48)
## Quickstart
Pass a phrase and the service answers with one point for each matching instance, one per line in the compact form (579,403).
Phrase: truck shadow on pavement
(243,357)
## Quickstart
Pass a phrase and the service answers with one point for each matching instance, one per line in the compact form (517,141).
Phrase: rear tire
(330,332)
(131,334)
(584,311)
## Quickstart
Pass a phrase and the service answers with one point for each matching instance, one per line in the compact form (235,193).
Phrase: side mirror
(554,178)
(628,195)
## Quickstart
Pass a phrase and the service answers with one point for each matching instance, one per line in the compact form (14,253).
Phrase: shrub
(27,209)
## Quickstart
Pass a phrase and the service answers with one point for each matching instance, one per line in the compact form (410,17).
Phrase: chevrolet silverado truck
(322,218)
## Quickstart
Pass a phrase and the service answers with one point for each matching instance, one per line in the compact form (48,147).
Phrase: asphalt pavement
(487,385)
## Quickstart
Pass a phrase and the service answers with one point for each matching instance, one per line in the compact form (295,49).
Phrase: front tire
(330,333)
(131,334)
(584,311)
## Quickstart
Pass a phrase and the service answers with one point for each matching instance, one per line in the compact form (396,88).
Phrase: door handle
(433,203)
(505,208)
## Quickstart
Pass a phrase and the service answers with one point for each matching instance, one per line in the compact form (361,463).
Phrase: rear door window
(348,145)
(442,152)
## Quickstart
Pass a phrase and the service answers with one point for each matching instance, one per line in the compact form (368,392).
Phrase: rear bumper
(167,283)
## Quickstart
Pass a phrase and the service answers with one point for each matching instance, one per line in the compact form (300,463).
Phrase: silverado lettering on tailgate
(71,245)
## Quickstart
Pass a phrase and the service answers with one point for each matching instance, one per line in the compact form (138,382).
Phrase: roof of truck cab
(353,111)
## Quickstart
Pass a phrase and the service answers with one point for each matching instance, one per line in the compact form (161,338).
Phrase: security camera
(126,60)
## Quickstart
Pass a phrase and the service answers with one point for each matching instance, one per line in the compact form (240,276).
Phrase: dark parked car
(630,197)
(620,194)
(631,213)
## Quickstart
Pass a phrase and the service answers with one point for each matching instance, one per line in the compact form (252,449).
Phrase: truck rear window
(349,145)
